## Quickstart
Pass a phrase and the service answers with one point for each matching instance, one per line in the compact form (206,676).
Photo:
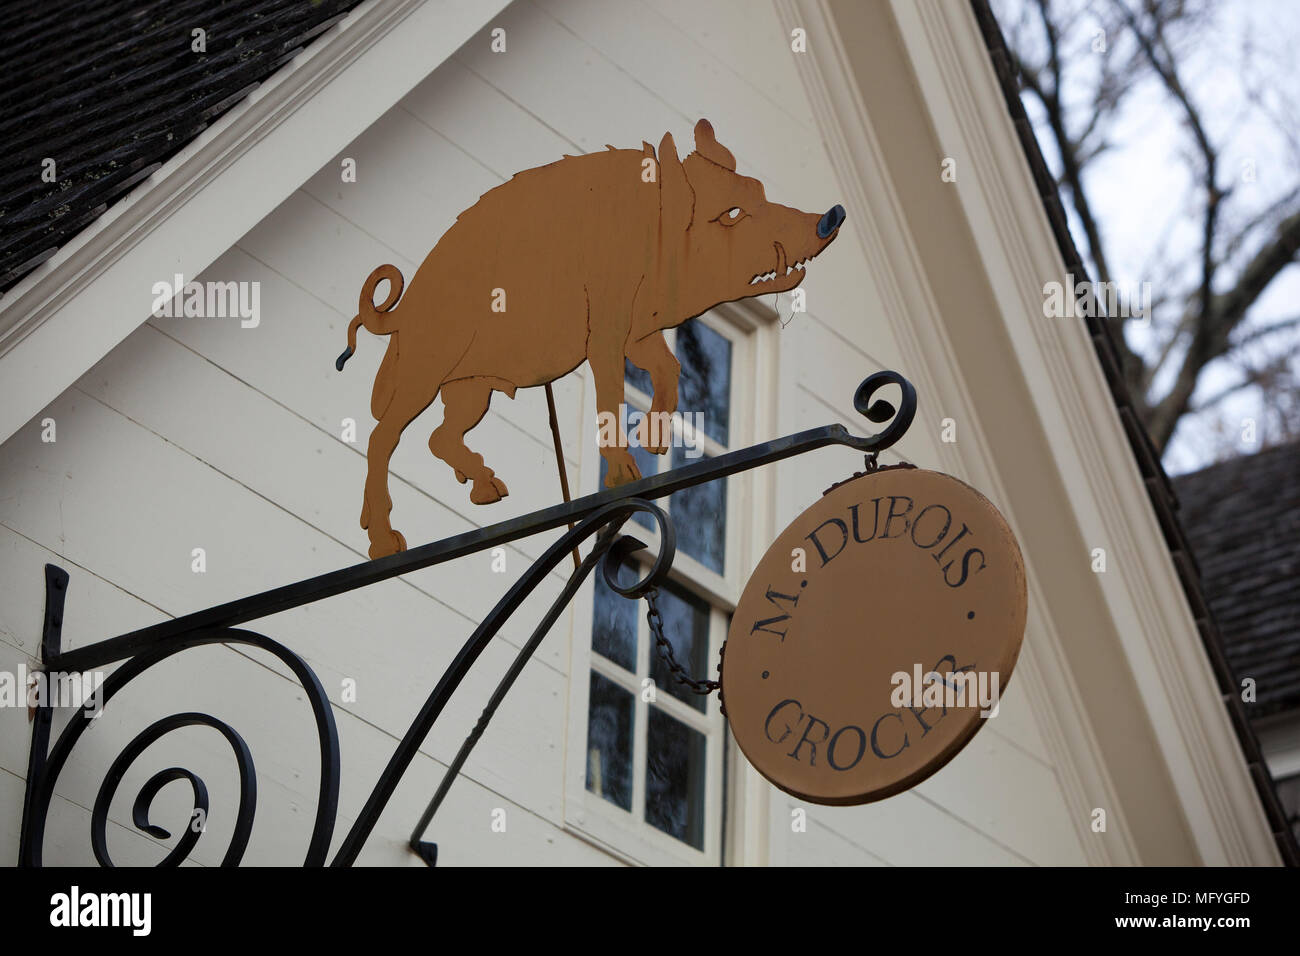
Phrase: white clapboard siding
(200,433)
(67,832)
(820,846)
(453,101)
(273,716)
(291,462)
(1007,794)
(597,101)
(308,384)
(695,84)
(747,41)
(405,636)
(907,829)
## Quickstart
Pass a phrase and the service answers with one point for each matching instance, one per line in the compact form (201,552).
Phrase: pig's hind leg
(408,399)
(466,402)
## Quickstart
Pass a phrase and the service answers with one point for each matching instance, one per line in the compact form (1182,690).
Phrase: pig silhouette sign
(588,259)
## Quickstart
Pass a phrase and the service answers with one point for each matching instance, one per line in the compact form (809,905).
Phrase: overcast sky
(1242,71)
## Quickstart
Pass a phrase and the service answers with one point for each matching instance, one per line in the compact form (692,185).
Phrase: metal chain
(666,649)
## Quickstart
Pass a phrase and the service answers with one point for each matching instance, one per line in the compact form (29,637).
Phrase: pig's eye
(731,216)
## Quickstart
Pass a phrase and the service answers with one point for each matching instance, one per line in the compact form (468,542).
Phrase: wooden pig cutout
(593,256)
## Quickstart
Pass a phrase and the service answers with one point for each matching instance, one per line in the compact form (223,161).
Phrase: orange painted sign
(875,636)
(587,259)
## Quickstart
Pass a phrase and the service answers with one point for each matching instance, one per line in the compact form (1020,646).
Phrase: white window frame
(751,328)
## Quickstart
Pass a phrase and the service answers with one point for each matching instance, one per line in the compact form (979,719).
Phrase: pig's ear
(676,197)
(707,145)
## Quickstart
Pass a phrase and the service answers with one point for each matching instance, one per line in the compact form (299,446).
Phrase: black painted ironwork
(599,516)
(669,656)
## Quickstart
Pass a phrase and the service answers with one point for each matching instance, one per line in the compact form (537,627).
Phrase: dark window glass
(637,378)
(613,628)
(686,627)
(705,384)
(609,741)
(1288,794)
(700,518)
(674,785)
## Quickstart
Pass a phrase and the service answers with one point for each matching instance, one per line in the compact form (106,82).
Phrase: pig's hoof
(486,492)
(622,472)
(387,544)
(460,476)
(365,515)
(643,438)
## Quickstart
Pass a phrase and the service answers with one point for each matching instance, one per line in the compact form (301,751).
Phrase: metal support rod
(456,671)
(559,460)
(56,592)
(600,515)
(525,654)
(327,585)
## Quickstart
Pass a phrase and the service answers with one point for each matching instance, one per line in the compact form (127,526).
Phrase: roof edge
(1158,485)
(64,316)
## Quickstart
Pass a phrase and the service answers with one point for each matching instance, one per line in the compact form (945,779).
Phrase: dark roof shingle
(1159,487)
(1243,520)
(111,90)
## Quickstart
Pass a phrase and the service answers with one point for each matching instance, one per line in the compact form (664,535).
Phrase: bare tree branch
(1265,331)
(1199,316)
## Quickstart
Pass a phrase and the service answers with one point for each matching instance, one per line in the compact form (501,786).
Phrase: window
(652,751)
(1288,794)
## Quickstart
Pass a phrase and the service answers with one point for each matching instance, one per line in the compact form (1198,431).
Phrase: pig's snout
(832,220)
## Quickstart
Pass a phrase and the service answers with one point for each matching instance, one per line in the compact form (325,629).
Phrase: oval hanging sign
(875,636)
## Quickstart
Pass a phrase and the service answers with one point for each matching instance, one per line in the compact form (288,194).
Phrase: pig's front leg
(605,344)
(653,355)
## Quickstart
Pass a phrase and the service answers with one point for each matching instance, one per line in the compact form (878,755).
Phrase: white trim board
(1041,432)
(68,313)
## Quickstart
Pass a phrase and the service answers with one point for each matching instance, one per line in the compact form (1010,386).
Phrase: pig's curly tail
(368,314)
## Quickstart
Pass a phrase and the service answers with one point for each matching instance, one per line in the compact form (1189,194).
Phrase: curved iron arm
(322,586)
(611,515)
(600,514)
(44,776)
(613,550)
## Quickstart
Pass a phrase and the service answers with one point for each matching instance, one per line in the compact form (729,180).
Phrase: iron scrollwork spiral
(327,733)
(883,411)
(624,546)
(600,515)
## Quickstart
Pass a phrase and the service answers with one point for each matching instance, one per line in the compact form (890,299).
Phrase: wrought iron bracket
(599,515)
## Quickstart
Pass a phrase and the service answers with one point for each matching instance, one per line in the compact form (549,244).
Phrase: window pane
(637,378)
(686,627)
(705,385)
(674,785)
(1288,794)
(613,624)
(609,741)
(648,465)
(700,518)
